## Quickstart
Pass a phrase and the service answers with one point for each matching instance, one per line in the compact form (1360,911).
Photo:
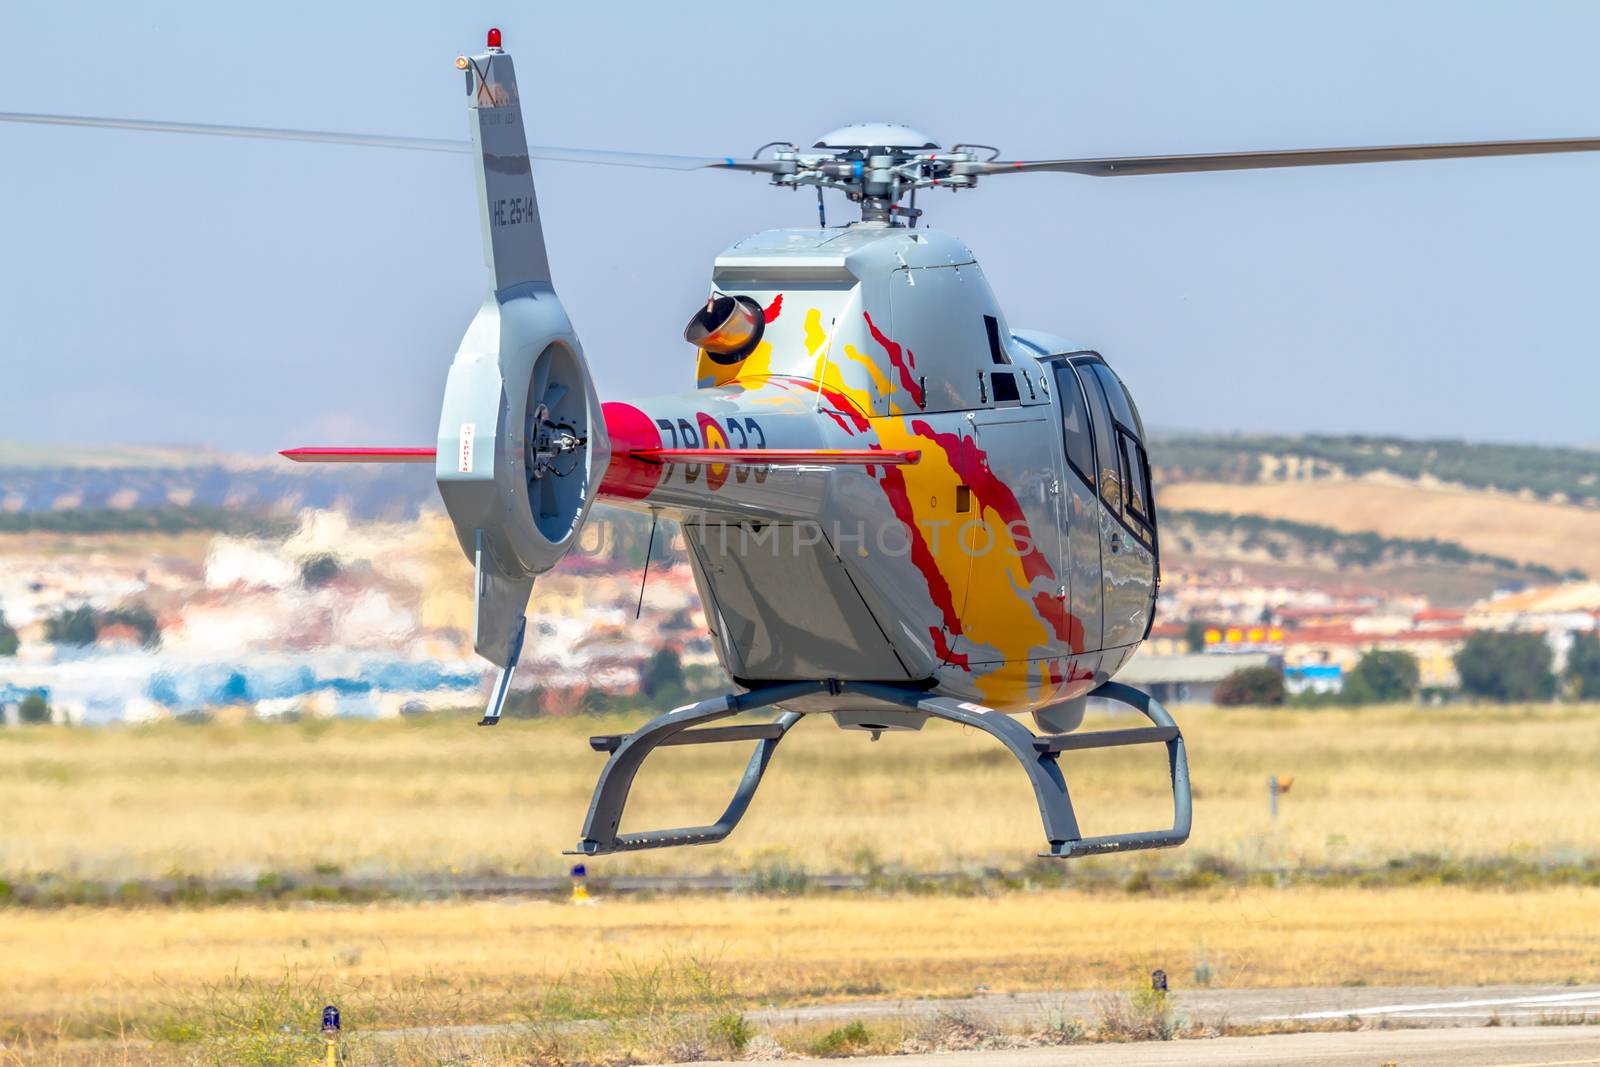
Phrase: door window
(1109,464)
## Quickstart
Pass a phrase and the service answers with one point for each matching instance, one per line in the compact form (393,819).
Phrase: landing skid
(1040,757)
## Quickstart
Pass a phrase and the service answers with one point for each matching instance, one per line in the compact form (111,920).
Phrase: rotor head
(875,164)
(881,135)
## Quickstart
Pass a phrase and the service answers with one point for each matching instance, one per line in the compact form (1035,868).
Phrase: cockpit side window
(1075,424)
(1133,462)
(1117,396)
(1129,432)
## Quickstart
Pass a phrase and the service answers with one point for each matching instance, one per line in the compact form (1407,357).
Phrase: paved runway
(1415,1005)
(1521,1046)
(1407,1026)
(1539,1026)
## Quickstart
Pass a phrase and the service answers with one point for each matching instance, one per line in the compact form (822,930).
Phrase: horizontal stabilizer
(359,455)
(745,457)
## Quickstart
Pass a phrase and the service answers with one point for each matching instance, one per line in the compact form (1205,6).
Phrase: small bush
(1142,1014)
(1063,1031)
(732,1030)
(1251,685)
(780,877)
(34,709)
(842,1041)
(1382,677)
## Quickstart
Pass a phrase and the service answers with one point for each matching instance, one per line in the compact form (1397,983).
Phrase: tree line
(1492,666)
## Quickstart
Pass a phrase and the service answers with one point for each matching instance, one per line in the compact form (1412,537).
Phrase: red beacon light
(494,37)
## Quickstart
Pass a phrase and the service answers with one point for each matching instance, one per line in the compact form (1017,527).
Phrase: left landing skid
(1039,756)
(676,727)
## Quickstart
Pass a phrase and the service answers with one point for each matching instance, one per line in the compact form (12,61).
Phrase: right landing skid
(1040,757)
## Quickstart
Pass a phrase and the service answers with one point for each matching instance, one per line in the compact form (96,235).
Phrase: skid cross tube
(1049,788)
(628,753)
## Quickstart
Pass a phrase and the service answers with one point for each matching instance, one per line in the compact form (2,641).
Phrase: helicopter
(897,506)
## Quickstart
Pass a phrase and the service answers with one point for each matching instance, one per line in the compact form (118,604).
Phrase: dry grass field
(439,795)
(172,973)
(131,983)
(1529,531)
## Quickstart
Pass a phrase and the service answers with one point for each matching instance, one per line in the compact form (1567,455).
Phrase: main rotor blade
(658,162)
(1120,166)
(419,144)
(416,144)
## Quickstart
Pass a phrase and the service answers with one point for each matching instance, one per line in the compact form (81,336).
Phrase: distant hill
(36,479)
(1559,474)
(1533,506)
(1562,537)
(1284,540)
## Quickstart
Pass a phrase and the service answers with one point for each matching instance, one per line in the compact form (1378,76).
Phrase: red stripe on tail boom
(758,456)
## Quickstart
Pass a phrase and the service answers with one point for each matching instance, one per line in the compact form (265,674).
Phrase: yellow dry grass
(429,797)
(425,796)
(415,964)
(1528,531)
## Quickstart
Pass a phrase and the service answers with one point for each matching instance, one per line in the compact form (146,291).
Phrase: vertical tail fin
(522,441)
(513,238)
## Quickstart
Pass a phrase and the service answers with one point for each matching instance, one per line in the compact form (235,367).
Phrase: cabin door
(1079,508)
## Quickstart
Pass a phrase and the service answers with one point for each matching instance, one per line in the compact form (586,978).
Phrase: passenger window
(1075,425)
(1138,490)
(1105,448)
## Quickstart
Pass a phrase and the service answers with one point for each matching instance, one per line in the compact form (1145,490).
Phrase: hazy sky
(256,295)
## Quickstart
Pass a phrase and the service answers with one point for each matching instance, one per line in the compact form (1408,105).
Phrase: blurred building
(1190,677)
